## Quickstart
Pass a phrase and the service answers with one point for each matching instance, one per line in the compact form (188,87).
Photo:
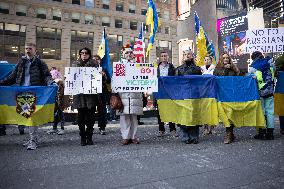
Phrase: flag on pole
(154,21)
(204,47)
(103,52)
(139,47)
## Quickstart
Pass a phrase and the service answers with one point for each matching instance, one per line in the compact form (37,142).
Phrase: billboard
(231,38)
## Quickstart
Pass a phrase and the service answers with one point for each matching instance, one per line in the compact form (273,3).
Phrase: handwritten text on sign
(82,80)
(265,40)
(134,77)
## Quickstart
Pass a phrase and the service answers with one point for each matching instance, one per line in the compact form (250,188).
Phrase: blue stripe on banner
(279,88)
(186,87)
(44,94)
(236,89)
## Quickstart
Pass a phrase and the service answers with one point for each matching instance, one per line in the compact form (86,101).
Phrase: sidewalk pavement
(156,163)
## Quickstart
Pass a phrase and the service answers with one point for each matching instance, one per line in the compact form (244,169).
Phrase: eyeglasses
(84,52)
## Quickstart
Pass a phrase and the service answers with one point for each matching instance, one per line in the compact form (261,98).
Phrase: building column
(65,46)
(31,34)
(175,53)
(97,38)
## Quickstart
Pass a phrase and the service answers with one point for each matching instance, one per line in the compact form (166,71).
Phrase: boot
(269,134)
(89,135)
(229,135)
(260,135)
(83,135)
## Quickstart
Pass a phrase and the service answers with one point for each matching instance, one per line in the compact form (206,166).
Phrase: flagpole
(143,40)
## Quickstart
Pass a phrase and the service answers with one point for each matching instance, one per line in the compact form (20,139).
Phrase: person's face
(97,59)
(207,60)
(226,59)
(187,56)
(30,51)
(164,57)
(84,55)
(129,55)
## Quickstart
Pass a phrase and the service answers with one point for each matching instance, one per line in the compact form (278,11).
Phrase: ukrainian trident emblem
(26,104)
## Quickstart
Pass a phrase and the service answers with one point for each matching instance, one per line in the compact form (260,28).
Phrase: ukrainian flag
(198,100)
(29,106)
(239,102)
(103,52)
(154,21)
(188,100)
(204,47)
(279,95)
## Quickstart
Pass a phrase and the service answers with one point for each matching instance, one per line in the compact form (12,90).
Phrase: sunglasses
(84,53)
(129,52)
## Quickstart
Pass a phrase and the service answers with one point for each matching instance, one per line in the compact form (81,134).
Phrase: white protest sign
(265,40)
(82,80)
(134,77)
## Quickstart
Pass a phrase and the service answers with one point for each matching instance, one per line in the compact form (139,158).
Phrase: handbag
(116,103)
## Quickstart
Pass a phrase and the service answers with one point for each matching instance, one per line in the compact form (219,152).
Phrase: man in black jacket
(165,68)
(188,67)
(29,71)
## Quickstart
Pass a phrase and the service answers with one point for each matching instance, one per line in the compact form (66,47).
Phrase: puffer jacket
(191,69)
(86,100)
(132,103)
(39,73)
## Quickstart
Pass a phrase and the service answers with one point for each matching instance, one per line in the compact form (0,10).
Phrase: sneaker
(32,145)
(161,133)
(61,132)
(174,133)
(52,131)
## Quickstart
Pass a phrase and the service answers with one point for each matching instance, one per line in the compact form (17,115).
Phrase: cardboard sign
(134,77)
(83,80)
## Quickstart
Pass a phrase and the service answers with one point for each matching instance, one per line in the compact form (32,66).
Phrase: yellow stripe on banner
(189,112)
(242,113)
(279,104)
(42,115)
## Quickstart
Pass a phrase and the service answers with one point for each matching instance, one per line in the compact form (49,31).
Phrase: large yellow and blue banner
(199,100)
(29,106)
(279,95)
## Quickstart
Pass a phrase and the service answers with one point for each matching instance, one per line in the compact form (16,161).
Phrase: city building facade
(60,28)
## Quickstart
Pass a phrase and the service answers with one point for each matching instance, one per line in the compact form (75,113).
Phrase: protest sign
(83,80)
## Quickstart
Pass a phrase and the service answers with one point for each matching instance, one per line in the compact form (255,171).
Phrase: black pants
(86,117)
(162,124)
(58,117)
(102,113)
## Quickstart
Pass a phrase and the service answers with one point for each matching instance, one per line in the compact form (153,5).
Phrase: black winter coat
(39,73)
(171,70)
(191,69)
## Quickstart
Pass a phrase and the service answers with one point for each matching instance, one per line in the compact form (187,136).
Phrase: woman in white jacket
(132,106)
(208,68)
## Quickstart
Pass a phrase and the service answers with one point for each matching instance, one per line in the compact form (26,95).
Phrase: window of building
(58,0)
(48,42)
(89,3)
(159,13)
(133,25)
(4,8)
(119,6)
(80,39)
(56,14)
(76,2)
(146,28)
(115,42)
(143,11)
(21,10)
(118,23)
(166,15)
(120,40)
(12,41)
(105,4)
(89,19)
(106,21)
(167,30)
(41,13)
(75,17)
(132,8)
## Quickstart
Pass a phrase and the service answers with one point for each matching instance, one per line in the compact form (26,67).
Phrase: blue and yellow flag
(279,95)
(29,106)
(198,100)
(204,47)
(103,52)
(154,21)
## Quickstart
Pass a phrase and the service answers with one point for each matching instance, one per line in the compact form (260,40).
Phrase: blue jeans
(268,109)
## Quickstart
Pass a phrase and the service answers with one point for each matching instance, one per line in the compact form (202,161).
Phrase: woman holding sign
(132,106)
(86,103)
